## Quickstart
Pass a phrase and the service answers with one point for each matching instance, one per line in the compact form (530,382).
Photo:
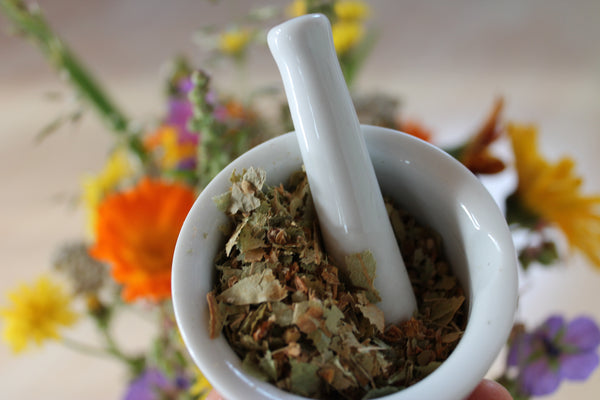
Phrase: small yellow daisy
(234,41)
(353,10)
(37,313)
(346,35)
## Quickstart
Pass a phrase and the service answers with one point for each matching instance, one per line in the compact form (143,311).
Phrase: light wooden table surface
(446,60)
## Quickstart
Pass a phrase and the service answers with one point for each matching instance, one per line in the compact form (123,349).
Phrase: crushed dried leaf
(297,322)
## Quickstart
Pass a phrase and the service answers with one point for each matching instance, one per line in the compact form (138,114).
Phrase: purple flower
(553,352)
(154,385)
(185,85)
(180,111)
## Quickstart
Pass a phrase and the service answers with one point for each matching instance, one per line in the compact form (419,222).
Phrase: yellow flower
(297,8)
(171,151)
(552,191)
(346,35)
(201,386)
(353,10)
(234,41)
(37,313)
(96,187)
(347,27)
(170,156)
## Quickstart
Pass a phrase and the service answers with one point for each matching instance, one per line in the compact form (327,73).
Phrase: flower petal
(552,326)
(538,378)
(520,349)
(147,386)
(136,233)
(582,333)
(578,366)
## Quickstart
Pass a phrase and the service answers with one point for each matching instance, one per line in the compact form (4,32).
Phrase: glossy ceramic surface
(345,192)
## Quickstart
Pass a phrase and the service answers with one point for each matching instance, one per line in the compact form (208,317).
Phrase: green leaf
(268,366)
(374,315)
(443,309)
(518,214)
(249,241)
(545,253)
(253,369)
(255,289)
(303,378)
(361,270)
(380,392)
(223,201)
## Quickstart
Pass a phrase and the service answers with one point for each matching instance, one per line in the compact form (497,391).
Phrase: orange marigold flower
(136,233)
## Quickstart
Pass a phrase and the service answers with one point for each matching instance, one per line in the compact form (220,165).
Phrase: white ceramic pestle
(342,180)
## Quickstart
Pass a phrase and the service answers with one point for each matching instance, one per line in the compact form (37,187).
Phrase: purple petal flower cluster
(180,111)
(154,385)
(554,351)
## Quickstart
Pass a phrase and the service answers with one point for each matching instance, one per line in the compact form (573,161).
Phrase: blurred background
(446,61)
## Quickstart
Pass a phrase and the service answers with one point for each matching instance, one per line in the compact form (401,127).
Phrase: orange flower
(476,154)
(136,233)
(416,129)
(235,109)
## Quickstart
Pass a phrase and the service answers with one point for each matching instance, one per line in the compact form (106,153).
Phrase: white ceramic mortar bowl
(427,182)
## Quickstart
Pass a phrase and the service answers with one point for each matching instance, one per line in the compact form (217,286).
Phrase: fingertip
(213,395)
(490,390)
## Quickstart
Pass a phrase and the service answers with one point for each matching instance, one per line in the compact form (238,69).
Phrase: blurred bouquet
(137,203)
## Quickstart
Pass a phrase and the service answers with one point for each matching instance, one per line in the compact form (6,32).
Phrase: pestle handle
(342,179)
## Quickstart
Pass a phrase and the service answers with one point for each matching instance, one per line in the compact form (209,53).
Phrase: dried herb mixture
(297,323)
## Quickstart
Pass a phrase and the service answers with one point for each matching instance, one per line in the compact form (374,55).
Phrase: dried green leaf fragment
(244,190)
(312,327)
(374,315)
(254,289)
(223,201)
(362,269)
(303,378)
(443,309)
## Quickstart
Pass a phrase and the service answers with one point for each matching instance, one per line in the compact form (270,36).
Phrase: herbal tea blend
(296,322)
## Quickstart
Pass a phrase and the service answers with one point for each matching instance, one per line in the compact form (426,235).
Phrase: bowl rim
(225,373)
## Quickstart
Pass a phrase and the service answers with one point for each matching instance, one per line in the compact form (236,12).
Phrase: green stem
(517,214)
(30,22)
(136,364)
(212,155)
(103,316)
(85,348)
(513,387)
